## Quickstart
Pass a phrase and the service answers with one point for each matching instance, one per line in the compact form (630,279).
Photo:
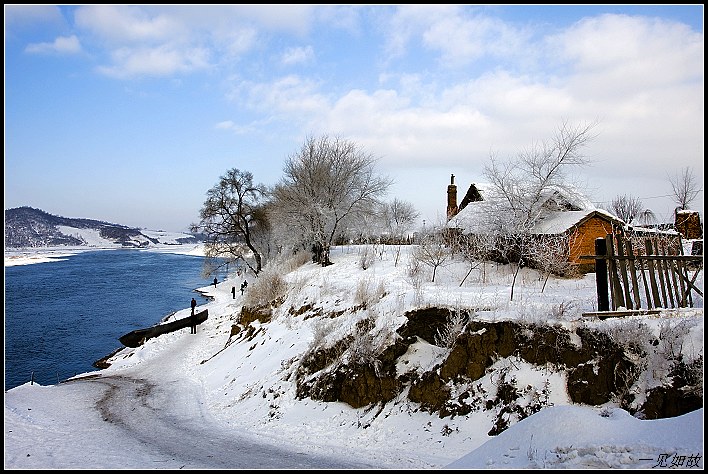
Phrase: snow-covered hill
(26,227)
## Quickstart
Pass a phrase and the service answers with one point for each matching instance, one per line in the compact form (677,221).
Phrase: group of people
(244,285)
(193,319)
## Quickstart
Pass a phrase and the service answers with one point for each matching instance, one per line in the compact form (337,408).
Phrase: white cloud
(297,55)
(61,45)
(622,53)
(343,17)
(292,97)
(121,24)
(237,41)
(189,36)
(226,124)
(409,21)
(160,61)
(295,19)
(461,40)
(636,77)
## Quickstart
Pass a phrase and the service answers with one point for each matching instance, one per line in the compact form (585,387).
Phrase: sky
(144,108)
(212,401)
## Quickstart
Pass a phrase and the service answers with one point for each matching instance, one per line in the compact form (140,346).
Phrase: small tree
(550,255)
(475,249)
(447,334)
(329,184)
(685,188)
(432,252)
(627,207)
(398,219)
(233,219)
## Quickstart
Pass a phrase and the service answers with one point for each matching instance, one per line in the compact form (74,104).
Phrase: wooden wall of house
(583,241)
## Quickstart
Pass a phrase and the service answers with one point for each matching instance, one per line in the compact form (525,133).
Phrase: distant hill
(30,227)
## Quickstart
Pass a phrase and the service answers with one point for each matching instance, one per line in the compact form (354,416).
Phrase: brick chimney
(451,198)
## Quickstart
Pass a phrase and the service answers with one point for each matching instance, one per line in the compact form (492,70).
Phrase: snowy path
(143,410)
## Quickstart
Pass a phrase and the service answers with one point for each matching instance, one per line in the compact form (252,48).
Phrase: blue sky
(130,114)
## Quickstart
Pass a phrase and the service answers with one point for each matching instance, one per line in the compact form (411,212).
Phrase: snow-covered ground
(211,400)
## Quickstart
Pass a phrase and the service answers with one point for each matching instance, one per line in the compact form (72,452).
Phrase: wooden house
(564,215)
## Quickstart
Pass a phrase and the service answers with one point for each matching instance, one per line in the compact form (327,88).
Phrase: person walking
(193,318)
(233,292)
(215,282)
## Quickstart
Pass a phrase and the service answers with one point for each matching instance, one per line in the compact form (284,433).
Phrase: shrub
(447,334)
(269,287)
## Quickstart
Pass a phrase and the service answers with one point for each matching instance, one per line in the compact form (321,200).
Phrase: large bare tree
(685,187)
(328,185)
(233,219)
(521,185)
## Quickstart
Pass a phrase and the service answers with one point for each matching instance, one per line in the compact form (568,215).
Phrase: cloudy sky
(143,108)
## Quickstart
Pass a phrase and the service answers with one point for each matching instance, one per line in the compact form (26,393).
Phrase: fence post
(603,303)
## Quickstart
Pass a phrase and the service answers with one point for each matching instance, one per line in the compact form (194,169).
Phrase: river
(62,316)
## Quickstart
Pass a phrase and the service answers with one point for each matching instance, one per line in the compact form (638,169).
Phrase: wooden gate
(657,276)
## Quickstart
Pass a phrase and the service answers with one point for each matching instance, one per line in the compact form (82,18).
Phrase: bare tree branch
(685,188)
(233,219)
(522,187)
(328,185)
(628,208)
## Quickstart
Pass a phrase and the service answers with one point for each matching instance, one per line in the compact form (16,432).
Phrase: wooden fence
(656,276)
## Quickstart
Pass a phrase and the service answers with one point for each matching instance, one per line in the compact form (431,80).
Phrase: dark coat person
(193,322)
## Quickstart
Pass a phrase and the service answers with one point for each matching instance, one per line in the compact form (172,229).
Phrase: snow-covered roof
(561,208)
(568,196)
(560,221)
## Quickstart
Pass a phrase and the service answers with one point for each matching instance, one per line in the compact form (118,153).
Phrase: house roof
(559,222)
(561,209)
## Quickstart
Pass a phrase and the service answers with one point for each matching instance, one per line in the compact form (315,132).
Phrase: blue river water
(61,317)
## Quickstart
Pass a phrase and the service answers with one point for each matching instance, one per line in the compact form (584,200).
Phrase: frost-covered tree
(398,218)
(549,254)
(475,249)
(328,185)
(447,334)
(433,252)
(234,221)
(522,185)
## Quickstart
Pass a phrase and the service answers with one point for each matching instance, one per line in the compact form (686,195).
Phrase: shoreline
(34,255)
